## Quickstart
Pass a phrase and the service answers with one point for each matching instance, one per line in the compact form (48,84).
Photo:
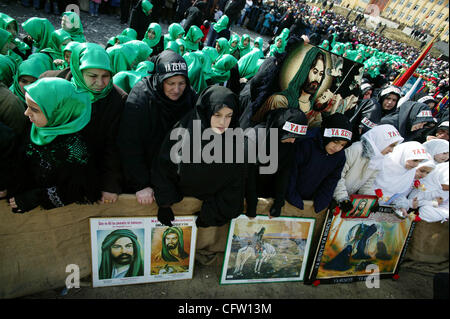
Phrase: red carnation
(379,193)
(417,219)
(337,211)
(396,277)
(416,183)
(316,283)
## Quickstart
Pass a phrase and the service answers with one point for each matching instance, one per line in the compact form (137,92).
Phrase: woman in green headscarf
(218,30)
(278,46)
(27,73)
(176,31)
(285,34)
(193,38)
(153,38)
(196,61)
(59,39)
(130,33)
(173,46)
(40,30)
(5,41)
(127,79)
(143,51)
(56,168)
(220,71)
(325,45)
(259,44)
(71,23)
(91,71)
(338,48)
(249,64)
(9,24)
(222,48)
(123,58)
(234,46)
(181,46)
(244,45)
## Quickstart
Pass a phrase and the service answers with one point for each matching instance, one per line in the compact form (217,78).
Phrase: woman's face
(221,120)
(246,42)
(67,55)
(234,44)
(96,79)
(34,113)
(174,87)
(26,80)
(410,164)
(442,157)
(256,45)
(422,172)
(335,146)
(217,47)
(151,34)
(279,43)
(388,149)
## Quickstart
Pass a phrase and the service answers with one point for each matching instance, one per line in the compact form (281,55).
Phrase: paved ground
(205,284)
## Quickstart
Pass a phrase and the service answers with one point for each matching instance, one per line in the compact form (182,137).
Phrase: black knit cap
(170,64)
(336,127)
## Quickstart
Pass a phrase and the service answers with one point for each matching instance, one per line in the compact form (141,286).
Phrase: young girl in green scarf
(56,168)
(244,45)
(278,46)
(176,31)
(40,30)
(193,38)
(234,46)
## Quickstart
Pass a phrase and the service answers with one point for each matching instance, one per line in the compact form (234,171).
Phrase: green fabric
(106,263)
(142,50)
(122,57)
(145,67)
(33,67)
(165,252)
(127,79)
(70,46)
(157,29)
(175,30)
(285,34)
(173,45)
(224,48)
(209,56)
(233,38)
(247,48)
(119,39)
(75,28)
(181,44)
(40,29)
(5,37)
(274,48)
(43,58)
(193,35)
(89,56)
(220,71)
(222,24)
(325,45)
(66,109)
(293,90)
(195,62)
(130,33)
(260,41)
(55,45)
(6,22)
(248,65)
(21,46)
(146,5)
(338,48)
(7,69)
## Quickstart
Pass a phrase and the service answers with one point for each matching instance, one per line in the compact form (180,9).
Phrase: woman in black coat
(218,183)
(153,106)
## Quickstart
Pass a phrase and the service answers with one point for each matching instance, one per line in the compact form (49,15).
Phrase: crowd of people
(83,122)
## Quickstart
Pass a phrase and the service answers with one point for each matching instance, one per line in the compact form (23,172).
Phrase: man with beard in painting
(121,256)
(172,245)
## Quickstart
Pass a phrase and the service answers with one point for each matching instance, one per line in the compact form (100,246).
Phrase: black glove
(346,206)
(275,211)
(166,216)
(251,210)
(27,201)
(375,208)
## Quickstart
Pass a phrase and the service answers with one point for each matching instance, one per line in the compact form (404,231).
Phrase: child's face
(441,158)
(422,172)
(335,146)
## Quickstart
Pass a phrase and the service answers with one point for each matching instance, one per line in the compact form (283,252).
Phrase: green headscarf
(7,69)
(5,37)
(224,47)
(222,24)
(74,27)
(195,62)
(123,57)
(142,50)
(285,34)
(233,38)
(146,5)
(248,65)
(274,48)
(173,45)
(209,56)
(221,69)
(145,67)
(43,58)
(130,33)
(181,43)
(175,30)
(193,35)
(40,29)
(157,29)
(127,79)
(55,45)
(165,253)
(118,39)
(325,45)
(293,91)
(106,263)
(260,42)
(244,49)
(32,67)
(89,56)
(66,109)
(338,48)
(6,22)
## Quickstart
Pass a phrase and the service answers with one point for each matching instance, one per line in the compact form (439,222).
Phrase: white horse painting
(268,252)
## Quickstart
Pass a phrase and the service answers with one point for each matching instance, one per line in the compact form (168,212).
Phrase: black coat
(139,21)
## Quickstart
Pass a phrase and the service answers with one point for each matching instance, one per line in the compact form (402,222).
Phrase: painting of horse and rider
(267,250)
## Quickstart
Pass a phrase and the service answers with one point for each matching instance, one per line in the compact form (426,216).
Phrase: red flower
(379,192)
(417,219)
(337,211)
(316,283)
(416,183)
(396,277)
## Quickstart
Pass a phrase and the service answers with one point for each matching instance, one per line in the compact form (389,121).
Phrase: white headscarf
(434,180)
(380,137)
(394,178)
(436,146)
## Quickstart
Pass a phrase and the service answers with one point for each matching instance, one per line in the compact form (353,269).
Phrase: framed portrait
(262,250)
(351,249)
(362,204)
(123,250)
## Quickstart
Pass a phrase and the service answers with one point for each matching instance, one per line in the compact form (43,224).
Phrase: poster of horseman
(267,250)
